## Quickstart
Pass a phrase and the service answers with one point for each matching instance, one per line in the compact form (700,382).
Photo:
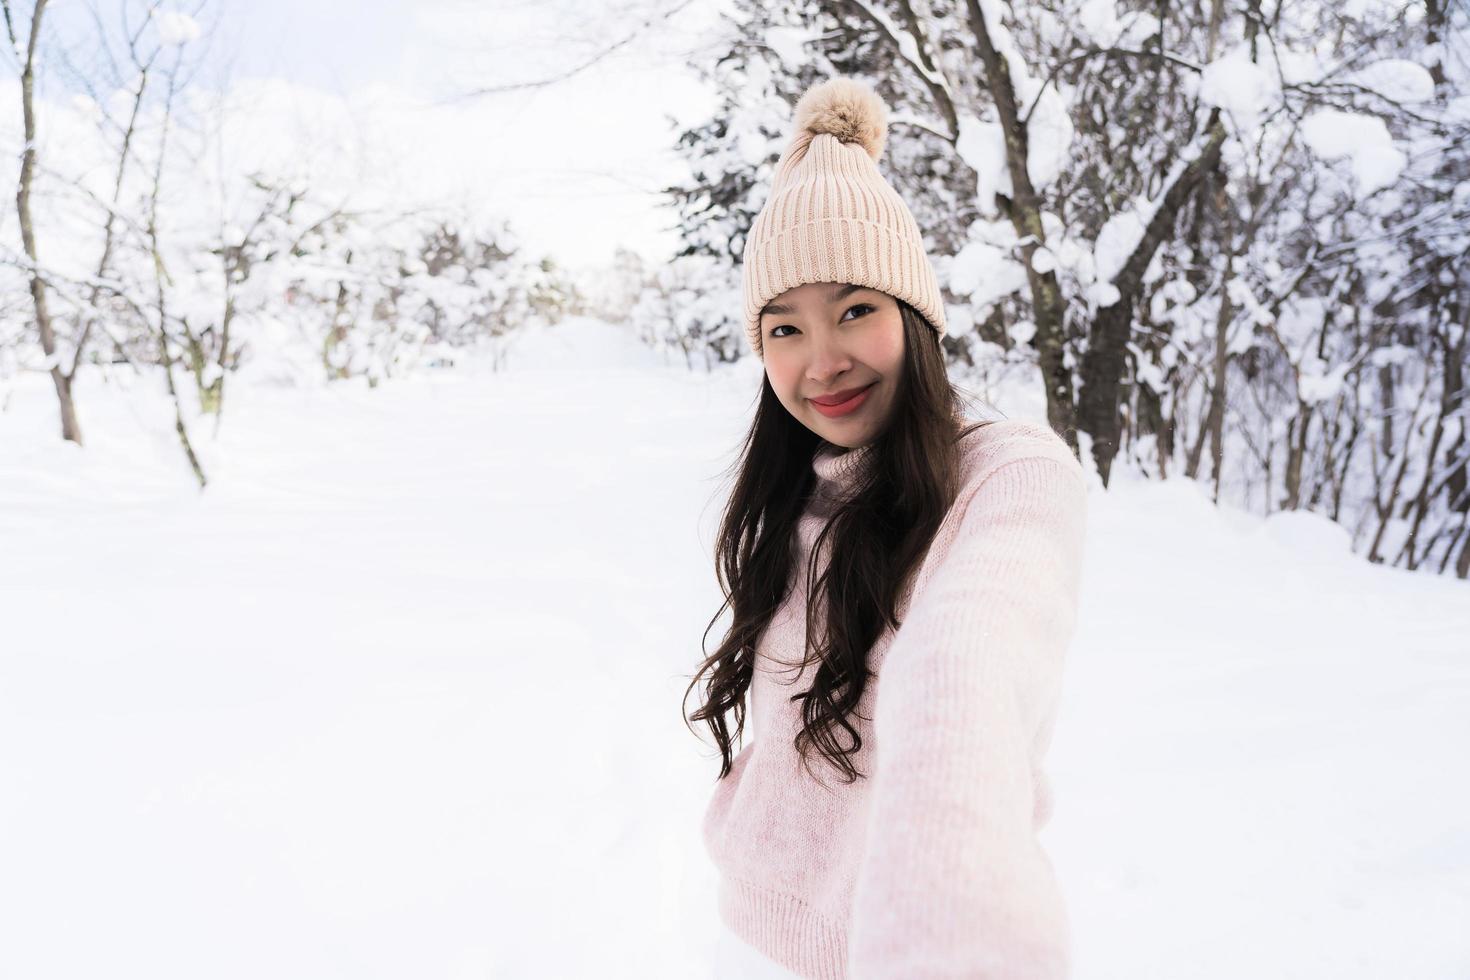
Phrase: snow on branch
(907,45)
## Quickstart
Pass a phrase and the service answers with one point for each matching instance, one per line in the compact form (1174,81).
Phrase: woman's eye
(861,309)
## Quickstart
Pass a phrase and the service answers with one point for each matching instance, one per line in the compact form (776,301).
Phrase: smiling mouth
(837,398)
(851,403)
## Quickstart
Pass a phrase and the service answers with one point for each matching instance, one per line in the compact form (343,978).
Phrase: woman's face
(829,339)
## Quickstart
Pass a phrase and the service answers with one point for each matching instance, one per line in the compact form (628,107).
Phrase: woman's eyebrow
(780,309)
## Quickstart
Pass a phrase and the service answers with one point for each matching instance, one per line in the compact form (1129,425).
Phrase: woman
(903,588)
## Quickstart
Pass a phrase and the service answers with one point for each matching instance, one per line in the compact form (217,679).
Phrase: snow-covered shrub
(692,305)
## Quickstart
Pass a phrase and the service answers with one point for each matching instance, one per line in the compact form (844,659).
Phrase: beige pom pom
(847,109)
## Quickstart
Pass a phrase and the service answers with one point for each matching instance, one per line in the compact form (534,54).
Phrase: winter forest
(361,369)
(1219,239)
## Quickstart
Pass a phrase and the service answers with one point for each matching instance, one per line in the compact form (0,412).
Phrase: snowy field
(399,696)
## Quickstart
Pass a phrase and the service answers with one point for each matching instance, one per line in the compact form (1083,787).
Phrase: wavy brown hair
(879,534)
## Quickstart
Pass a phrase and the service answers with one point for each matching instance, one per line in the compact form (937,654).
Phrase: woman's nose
(828,359)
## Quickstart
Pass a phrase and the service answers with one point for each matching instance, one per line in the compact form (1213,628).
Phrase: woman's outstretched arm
(953,882)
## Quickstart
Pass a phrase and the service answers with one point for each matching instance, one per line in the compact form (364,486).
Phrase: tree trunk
(71,428)
(1112,328)
(1048,307)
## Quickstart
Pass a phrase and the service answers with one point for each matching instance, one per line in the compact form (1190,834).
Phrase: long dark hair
(879,534)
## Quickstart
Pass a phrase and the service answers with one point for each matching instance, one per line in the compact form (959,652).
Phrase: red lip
(837,398)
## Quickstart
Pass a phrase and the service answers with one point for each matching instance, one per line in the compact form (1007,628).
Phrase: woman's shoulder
(1056,493)
(987,445)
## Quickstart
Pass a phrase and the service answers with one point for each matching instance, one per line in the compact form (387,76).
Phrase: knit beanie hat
(831,216)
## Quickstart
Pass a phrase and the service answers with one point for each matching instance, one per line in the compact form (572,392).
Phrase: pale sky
(575,166)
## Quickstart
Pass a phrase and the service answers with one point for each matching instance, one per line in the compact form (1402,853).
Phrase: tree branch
(576,69)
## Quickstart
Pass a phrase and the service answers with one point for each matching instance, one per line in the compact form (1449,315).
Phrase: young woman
(903,587)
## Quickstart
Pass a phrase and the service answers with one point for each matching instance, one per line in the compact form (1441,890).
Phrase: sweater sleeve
(953,882)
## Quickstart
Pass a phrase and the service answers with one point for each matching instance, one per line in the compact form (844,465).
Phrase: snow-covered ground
(399,696)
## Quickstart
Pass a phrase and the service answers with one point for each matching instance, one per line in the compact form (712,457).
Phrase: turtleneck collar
(837,469)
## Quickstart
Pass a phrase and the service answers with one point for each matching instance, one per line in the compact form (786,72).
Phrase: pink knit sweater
(929,867)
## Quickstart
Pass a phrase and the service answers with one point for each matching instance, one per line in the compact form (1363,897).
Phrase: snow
(1043,261)
(1102,294)
(1119,237)
(790,43)
(1240,87)
(958,320)
(399,695)
(1022,331)
(982,146)
(1099,19)
(1245,299)
(1396,79)
(1318,382)
(1138,27)
(1049,132)
(1362,139)
(984,271)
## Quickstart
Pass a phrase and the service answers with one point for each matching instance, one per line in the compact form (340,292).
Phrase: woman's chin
(846,436)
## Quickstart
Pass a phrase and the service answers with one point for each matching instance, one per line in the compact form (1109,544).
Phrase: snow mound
(1309,537)
(581,343)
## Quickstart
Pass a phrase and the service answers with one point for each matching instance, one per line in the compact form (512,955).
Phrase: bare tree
(71,428)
